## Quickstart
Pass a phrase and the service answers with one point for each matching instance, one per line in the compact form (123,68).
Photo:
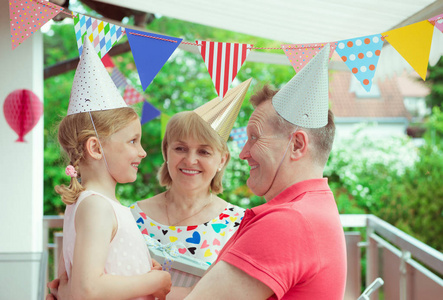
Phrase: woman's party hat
(303,101)
(221,114)
(93,88)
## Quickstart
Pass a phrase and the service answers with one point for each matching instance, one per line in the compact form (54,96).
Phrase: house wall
(21,176)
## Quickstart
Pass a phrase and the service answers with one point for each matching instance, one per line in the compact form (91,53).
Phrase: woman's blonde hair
(186,125)
(75,130)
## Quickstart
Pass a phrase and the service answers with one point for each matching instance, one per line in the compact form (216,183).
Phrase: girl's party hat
(303,101)
(221,114)
(93,88)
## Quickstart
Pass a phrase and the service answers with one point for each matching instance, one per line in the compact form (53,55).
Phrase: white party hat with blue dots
(304,100)
(93,88)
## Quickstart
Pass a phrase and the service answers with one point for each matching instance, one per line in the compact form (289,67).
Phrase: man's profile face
(264,149)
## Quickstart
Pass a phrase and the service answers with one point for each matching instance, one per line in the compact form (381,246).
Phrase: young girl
(105,255)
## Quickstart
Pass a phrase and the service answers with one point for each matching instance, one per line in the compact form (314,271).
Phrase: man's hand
(164,284)
(53,289)
(59,288)
(156,265)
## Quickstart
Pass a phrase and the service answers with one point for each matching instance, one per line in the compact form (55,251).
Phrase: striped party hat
(221,114)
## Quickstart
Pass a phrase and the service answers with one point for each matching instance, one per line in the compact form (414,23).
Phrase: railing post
(371,256)
(405,256)
(58,249)
(45,248)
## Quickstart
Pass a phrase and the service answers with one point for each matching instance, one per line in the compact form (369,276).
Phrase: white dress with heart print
(202,242)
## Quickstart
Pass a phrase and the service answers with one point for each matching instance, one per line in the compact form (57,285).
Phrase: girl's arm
(61,265)
(95,225)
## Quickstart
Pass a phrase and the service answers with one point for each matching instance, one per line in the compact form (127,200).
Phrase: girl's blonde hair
(188,124)
(75,130)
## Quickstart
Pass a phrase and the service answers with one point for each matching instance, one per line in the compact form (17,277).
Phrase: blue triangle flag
(149,112)
(150,51)
(361,56)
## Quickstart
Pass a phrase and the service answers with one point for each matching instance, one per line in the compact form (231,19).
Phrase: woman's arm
(95,225)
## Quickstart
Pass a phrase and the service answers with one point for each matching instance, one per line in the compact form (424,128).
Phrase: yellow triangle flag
(413,42)
(164,119)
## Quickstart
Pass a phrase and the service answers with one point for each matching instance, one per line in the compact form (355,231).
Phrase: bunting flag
(361,56)
(101,34)
(132,96)
(118,78)
(437,21)
(239,136)
(107,61)
(413,42)
(300,54)
(150,51)
(27,16)
(149,112)
(164,119)
(223,61)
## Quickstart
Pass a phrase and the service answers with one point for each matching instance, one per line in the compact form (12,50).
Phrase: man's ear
(93,149)
(299,145)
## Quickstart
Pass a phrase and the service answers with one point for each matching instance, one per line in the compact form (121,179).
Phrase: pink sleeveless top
(128,254)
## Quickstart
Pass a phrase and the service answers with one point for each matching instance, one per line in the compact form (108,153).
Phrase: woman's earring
(167,162)
(219,169)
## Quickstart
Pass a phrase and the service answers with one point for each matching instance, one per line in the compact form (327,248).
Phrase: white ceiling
(297,21)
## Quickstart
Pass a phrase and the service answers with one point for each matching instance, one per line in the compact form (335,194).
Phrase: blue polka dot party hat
(93,88)
(303,101)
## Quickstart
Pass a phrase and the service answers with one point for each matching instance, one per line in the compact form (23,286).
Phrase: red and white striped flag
(132,96)
(223,61)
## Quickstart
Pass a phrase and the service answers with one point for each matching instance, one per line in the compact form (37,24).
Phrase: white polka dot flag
(28,16)
(132,96)
(102,35)
(300,54)
(239,136)
(223,61)
(361,56)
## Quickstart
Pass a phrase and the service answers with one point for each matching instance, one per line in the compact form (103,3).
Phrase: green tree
(435,81)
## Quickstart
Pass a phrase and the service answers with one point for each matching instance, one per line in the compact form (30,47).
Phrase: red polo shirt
(294,244)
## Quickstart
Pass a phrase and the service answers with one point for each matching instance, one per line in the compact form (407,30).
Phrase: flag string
(152,37)
(72,15)
(301,46)
(55,8)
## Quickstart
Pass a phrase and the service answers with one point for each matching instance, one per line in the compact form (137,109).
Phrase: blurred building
(391,106)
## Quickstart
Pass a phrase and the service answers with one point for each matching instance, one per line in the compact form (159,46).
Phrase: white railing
(410,269)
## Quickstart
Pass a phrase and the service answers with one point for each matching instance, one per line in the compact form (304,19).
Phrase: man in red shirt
(293,246)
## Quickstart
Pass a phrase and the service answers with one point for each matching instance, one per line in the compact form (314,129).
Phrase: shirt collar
(293,192)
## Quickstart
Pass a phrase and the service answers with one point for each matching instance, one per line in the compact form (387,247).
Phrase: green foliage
(434,125)
(425,197)
(435,81)
(393,180)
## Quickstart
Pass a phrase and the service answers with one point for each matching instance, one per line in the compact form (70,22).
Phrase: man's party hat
(221,114)
(303,101)
(93,88)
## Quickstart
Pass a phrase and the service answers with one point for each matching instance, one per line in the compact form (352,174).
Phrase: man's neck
(291,175)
